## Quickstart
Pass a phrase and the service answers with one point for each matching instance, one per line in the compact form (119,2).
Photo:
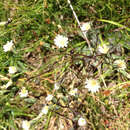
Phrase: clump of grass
(51,86)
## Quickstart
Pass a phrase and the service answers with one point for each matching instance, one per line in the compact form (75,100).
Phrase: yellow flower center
(87,27)
(46,108)
(62,42)
(105,49)
(13,68)
(93,83)
(82,121)
(120,64)
(24,91)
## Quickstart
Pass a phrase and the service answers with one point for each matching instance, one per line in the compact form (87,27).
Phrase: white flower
(85,26)
(8,46)
(26,125)
(61,41)
(45,109)
(24,92)
(49,97)
(12,69)
(121,64)
(82,122)
(59,26)
(3,23)
(92,85)
(73,92)
(103,48)
(56,86)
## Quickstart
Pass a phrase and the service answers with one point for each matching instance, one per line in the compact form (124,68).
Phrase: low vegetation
(64,65)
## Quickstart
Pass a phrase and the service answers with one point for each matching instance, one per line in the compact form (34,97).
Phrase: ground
(41,64)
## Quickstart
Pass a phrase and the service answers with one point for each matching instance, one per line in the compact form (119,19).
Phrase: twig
(61,115)
(84,34)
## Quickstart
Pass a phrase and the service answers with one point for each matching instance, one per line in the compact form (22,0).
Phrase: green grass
(39,63)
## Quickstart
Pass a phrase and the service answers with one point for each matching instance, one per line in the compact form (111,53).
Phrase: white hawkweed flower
(56,86)
(24,92)
(12,69)
(59,26)
(82,122)
(61,41)
(92,85)
(49,97)
(103,48)
(73,92)
(3,23)
(120,64)
(8,46)
(45,109)
(26,125)
(86,26)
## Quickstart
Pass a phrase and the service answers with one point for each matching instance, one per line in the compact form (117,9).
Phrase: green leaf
(114,23)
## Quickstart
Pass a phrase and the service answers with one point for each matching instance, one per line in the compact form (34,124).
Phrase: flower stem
(88,42)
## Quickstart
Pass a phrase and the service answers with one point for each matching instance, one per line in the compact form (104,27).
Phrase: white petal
(82,122)
(61,41)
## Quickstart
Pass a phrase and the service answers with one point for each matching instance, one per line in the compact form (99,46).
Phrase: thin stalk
(84,34)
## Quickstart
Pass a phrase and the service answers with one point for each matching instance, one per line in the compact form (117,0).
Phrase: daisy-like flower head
(12,69)
(103,49)
(45,109)
(56,86)
(92,85)
(49,97)
(61,41)
(73,92)
(82,121)
(8,46)
(85,26)
(23,93)
(120,64)
(26,125)
(3,23)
